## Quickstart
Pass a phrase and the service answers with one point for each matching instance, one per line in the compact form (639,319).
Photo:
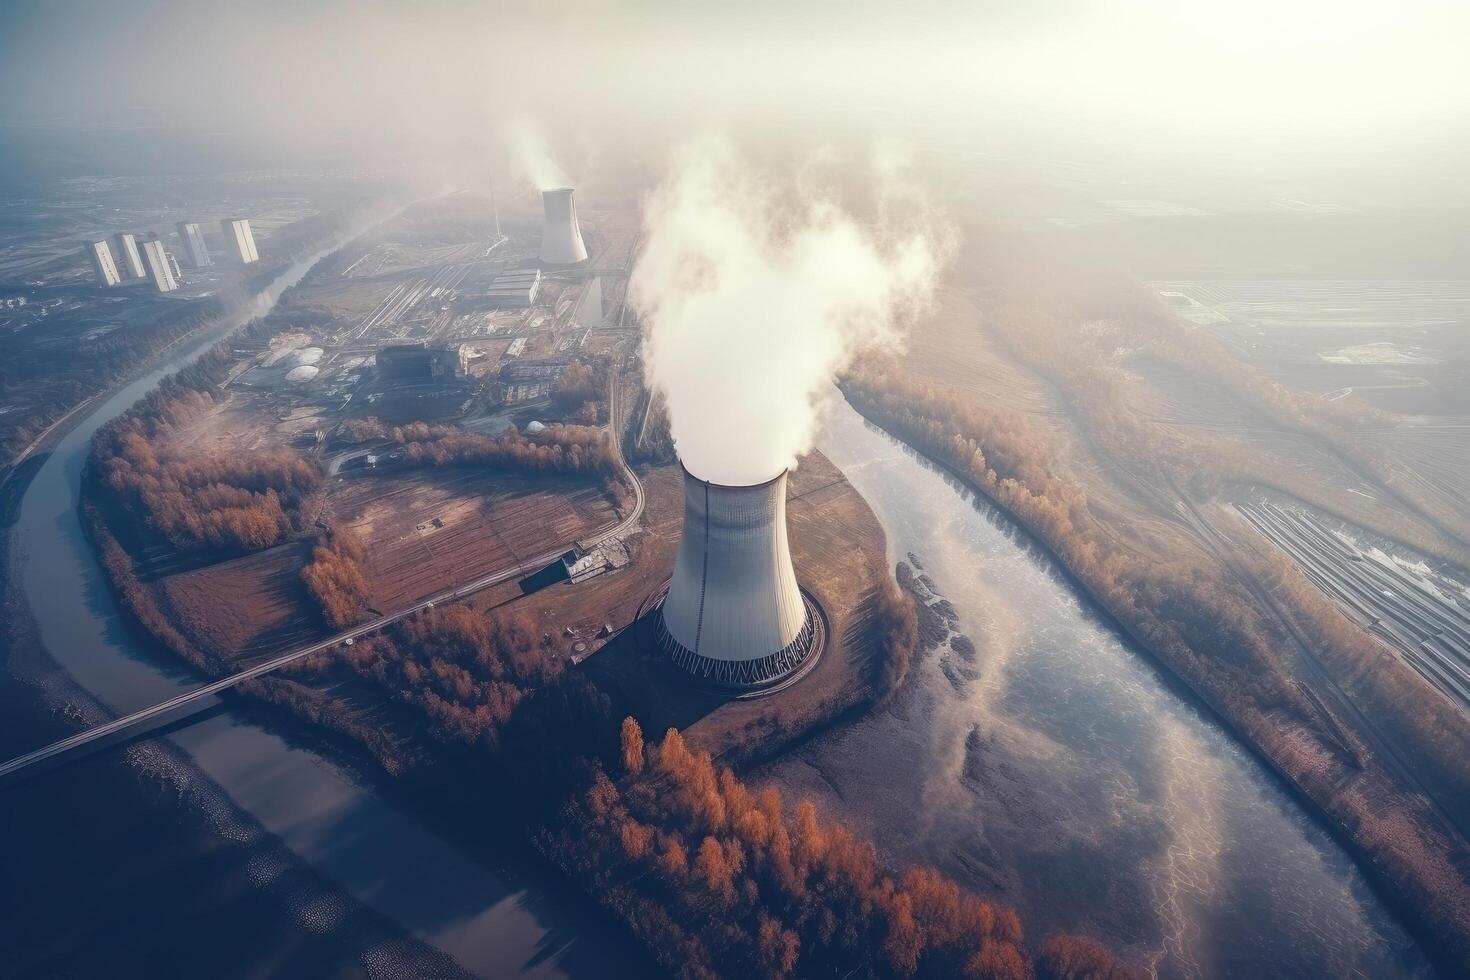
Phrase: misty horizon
(1347,94)
(620,489)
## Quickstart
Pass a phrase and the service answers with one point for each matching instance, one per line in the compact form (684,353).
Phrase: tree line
(582,390)
(1199,621)
(336,580)
(466,672)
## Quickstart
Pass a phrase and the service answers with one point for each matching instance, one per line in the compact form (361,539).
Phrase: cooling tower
(561,238)
(734,615)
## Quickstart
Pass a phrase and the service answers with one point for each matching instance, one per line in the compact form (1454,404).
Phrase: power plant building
(734,615)
(419,362)
(518,288)
(129,262)
(239,239)
(193,238)
(561,236)
(160,265)
(589,307)
(102,265)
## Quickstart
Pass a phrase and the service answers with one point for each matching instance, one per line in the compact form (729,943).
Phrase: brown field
(251,606)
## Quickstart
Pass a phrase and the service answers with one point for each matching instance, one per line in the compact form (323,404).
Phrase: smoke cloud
(754,293)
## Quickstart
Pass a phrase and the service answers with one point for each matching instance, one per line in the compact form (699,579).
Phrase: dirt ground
(249,607)
(428,530)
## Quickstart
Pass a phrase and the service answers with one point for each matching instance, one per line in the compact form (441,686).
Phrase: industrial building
(193,238)
(512,289)
(419,362)
(102,265)
(160,265)
(561,236)
(129,262)
(239,239)
(734,616)
(589,306)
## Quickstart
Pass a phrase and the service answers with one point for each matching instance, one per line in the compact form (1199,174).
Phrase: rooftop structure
(589,306)
(419,362)
(239,240)
(561,236)
(734,615)
(193,238)
(160,266)
(102,265)
(129,261)
(518,288)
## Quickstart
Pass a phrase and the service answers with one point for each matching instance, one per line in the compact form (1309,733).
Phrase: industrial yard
(1422,613)
(372,340)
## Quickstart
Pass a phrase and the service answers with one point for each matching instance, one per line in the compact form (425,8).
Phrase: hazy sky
(1189,76)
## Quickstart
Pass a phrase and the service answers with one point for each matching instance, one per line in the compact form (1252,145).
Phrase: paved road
(157,711)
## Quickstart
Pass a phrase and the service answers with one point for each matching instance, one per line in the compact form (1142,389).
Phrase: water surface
(1051,765)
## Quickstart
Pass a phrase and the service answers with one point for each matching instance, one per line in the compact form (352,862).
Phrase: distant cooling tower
(561,238)
(734,615)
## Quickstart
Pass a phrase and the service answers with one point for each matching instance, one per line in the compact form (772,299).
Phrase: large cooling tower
(561,237)
(734,615)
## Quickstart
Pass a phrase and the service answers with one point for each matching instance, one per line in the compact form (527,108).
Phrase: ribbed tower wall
(734,614)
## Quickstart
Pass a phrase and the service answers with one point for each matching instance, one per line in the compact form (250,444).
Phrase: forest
(336,580)
(581,391)
(467,673)
(238,502)
(719,879)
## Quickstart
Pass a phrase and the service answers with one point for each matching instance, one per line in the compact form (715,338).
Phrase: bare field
(424,532)
(248,607)
(427,530)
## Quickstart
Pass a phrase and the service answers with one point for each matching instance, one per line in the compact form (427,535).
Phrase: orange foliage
(336,580)
(776,889)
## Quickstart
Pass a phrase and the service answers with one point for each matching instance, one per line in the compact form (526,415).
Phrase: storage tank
(734,615)
(561,236)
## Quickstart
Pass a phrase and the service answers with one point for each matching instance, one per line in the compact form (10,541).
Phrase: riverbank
(1398,868)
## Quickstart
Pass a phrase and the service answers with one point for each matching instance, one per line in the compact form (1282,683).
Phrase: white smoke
(533,157)
(755,294)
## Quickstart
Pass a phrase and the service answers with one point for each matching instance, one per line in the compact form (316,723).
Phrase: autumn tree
(632,741)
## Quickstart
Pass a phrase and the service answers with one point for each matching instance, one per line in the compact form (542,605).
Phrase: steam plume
(533,157)
(754,296)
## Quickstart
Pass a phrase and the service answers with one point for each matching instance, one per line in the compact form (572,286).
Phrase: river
(1040,757)
(346,863)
